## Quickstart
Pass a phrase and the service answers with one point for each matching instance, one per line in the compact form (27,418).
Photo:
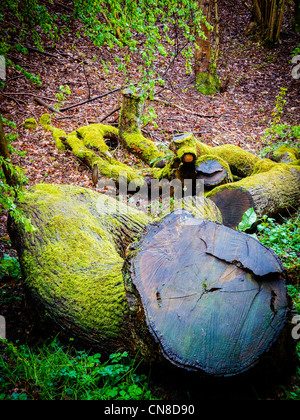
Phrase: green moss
(30,124)
(273,190)
(73,261)
(264,165)
(168,172)
(144,148)
(286,154)
(241,162)
(45,120)
(93,136)
(185,144)
(208,84)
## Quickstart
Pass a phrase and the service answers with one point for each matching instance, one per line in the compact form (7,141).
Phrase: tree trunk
(212,297)
(203,46)
(192,292)
(11,179)
(297,16)
(207,81)
(267,16)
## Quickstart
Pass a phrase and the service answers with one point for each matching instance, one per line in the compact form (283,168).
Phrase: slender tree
(266,21)
(206,56)
(297,15)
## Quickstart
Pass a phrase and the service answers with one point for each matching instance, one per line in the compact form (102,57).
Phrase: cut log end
(232,205)
(205,307)
(212,173)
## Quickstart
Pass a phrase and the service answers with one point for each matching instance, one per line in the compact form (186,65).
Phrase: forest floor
(239,116)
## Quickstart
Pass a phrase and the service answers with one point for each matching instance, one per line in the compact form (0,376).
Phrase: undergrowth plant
(132,28)
(8,193)
(56,372)
(278,133)
(283,238)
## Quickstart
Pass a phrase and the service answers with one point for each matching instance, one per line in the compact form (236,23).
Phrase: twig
(41,102)
(113,112)
(174,58)
(87,81)
(64,6)
(183,109)
(41,52)
(91,99)
(29,94)
(14,99)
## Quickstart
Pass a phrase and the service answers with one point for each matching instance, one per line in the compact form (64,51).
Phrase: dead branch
(167,103)
(43,103)
(111,113)
(91,99)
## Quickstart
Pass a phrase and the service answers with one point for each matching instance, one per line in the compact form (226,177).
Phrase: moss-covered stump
(268,192)
(130,127)
(208,84)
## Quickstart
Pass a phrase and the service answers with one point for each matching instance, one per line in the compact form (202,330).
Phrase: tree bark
(297,16)
(203,46)
(181,297)
(267,18)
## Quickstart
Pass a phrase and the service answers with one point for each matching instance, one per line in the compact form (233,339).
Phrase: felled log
(192,292)
(241,163)
(90,145)
(268,192)
(213,298)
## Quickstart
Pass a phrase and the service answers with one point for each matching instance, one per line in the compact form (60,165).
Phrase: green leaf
(248,219)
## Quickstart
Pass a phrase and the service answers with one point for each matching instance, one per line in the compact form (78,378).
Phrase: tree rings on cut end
(205,307)
(232,205)
(212,173)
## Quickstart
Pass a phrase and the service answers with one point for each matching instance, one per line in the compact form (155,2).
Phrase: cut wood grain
(214,298)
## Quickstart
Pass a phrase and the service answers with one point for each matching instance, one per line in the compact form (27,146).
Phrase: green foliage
(60,96)
(279,134)
(54,372)
(9,267)
(113,23)
(9,194)
(283,238)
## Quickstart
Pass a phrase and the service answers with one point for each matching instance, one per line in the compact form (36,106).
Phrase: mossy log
(186,291)
(268,192)
(91,144)
(270,187)
(236,161)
